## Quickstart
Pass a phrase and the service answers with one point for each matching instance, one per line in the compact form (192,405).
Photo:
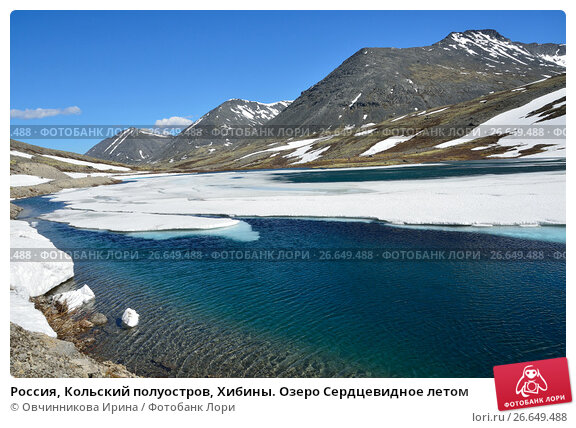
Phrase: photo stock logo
(533,383)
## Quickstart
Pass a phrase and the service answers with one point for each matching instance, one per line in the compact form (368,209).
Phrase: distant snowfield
(535,198)
(99,166)
(386,144)
(302,150)
(18,180)
(21,154)
(84,175)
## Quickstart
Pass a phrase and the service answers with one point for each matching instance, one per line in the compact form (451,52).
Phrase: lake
(353,307)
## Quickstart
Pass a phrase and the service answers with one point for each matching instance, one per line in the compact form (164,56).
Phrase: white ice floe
(242,232)
(32,278)
(548,234)
(136,221)
(509,121)
(75,298)
(130,318)
(21,154)
(99,166)
(17,180)
(508,199)
(24,314)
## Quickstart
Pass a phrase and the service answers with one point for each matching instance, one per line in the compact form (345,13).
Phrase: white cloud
(40,113)
(174,121)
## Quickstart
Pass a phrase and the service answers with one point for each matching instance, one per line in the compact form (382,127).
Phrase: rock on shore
(36,355)
(14,211)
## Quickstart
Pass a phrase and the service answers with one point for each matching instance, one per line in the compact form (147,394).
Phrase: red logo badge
(534,383)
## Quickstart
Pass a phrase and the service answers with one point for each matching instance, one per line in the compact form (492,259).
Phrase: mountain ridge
(374,85)
(141,146)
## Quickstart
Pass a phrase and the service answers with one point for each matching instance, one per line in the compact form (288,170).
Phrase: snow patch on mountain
(386,144)
(511,120)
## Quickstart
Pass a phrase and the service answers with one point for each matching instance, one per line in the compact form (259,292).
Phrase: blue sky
(140,67)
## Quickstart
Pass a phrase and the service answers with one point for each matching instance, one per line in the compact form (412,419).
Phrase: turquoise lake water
(346,316)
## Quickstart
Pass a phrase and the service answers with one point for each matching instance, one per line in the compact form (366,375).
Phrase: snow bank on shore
(30,278)
(506,199)
(23,313)
(34,278)
(17,180)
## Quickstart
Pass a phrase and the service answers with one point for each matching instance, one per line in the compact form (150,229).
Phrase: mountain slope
(24,154)
(131,146)
(36,171)
(485,125)
(380,83)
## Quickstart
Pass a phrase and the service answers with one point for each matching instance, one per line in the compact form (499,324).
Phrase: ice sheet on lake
(135,221)
(507,199)
(241,232)
(548,234)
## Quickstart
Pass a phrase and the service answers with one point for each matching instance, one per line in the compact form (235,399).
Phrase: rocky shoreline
(37,355)
(57,185)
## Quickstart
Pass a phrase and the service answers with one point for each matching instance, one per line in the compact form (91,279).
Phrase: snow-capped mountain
(497,48)
(232,113)
(131,146)
(372,86)
(137,146)
(376,84)
(241,112)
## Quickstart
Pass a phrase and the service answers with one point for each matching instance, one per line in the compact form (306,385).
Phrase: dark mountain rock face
(132,146)
(376,84)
